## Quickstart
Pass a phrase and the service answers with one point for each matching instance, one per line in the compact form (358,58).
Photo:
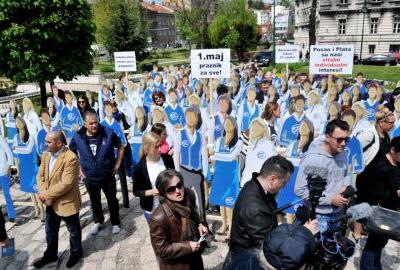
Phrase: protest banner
(331,59)
(125,61)
(210,63)
(287,54)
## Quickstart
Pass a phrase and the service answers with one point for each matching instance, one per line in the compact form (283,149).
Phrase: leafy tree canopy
(40,39)
(192,25)
(121,26)
(234,26)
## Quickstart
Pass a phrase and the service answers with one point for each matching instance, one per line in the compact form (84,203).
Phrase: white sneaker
(129,179)
(95,229)
(116,229)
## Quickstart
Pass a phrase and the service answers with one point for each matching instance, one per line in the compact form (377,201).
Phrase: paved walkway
(131,249)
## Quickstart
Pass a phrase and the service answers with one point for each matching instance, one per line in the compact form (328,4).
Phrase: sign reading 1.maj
(210,63)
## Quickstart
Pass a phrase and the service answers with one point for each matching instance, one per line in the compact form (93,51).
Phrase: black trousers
(109,188)
(52,227)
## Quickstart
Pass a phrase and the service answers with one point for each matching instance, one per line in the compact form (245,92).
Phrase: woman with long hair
(271,116)
(176,229)
(151,163)
(83,104)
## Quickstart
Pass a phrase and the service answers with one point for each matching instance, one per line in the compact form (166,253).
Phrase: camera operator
(329,158)
(254,214)
(380,186)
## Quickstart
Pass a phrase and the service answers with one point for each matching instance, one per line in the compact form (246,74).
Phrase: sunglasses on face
(172,189)
(341,140)
(81,101)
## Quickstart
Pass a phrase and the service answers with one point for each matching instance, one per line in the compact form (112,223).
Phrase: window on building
(394,48)
(396,24)
(371,49)
(342,26)
(343,2)
(374,25)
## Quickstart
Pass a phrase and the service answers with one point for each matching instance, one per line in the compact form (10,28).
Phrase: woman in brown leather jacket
(175,226)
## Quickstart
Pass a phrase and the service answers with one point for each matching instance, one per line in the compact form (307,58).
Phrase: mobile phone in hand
(202,238)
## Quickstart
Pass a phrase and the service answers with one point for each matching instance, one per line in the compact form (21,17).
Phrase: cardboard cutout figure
(397,111)
(110,122)
(225,186)
(10,121)
(31,118)
(334,110)
(46,128)
(93,104)
(356,94)
(346,100)
(260,148)
(289,130)
(174,112)
(249,110)
(104,95)
(136,133)
(71,119)
(7,160)
(125,107)
(25,152)
(371,104)
(294,153)
(316,112)
(353,148)
(195,101)
(54,114)
(191,158)
(216,125)
(57,101)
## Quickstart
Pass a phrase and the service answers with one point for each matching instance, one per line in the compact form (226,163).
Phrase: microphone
(356,212)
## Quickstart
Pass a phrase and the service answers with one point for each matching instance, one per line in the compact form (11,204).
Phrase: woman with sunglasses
(151,163)
(176,230)
(83,104)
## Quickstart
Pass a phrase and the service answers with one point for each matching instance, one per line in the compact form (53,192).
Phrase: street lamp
(273,37)
(364,10)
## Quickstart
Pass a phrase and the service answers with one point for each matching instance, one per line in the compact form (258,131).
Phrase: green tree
(234,27)
(126,30)
(192,25)
(41,40)
(102,13)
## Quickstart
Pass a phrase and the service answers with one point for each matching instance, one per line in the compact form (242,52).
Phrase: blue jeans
(147,216)
(52,227)
(371,256)
(5,185)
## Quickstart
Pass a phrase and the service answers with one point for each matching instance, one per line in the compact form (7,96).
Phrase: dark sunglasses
(81,101)
(340,140)
(172,189)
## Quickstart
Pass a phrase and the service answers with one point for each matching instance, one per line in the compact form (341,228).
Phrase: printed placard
(125,61)
(331,59)
(210,63)
(287,54)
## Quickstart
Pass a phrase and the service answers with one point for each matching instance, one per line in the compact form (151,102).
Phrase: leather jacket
(253,216)
(166,233)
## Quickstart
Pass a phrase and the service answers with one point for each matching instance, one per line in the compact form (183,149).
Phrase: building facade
(372,26)
(161,25)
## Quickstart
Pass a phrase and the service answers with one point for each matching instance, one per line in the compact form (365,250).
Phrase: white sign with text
(210,63)
(125,61)
(331,59)
(287,54)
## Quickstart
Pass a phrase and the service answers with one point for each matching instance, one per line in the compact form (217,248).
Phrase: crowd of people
(238,147)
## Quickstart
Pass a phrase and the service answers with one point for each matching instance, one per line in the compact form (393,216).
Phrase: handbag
(384,222)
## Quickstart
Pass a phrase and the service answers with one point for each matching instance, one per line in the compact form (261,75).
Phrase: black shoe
(73,259)
(43,261)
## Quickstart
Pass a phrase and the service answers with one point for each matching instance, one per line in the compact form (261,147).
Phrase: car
(263,59)
(395,55)
(177,45)
(380,60)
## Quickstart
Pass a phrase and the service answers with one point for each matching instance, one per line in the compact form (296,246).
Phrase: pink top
(164,147)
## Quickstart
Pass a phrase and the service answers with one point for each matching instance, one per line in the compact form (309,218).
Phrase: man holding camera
(255,214)
(327,160)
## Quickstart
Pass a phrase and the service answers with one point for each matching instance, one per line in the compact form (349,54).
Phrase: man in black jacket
(253,215)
